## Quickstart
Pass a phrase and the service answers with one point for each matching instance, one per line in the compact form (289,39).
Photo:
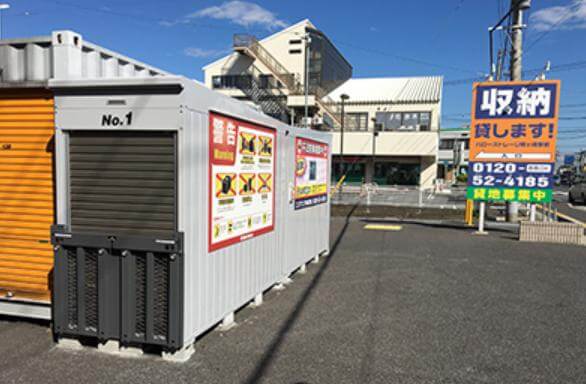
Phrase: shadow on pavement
(271,352)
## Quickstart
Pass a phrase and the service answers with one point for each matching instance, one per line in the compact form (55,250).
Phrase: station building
(273,73)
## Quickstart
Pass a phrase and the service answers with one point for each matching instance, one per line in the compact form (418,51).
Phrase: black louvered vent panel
(122,182)
(140,295)
(72,288)
(161,296)
(91,289)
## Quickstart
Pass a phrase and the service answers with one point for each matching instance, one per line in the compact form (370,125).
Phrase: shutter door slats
(26,192)
(122,182)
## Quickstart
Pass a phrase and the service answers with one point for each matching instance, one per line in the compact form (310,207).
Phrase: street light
(343,97)
(307,38)
(3,6)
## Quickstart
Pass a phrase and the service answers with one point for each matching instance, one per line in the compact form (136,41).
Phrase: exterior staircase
(248,45)
(272,101)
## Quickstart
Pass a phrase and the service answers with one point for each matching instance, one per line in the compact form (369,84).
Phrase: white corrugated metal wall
(220,282)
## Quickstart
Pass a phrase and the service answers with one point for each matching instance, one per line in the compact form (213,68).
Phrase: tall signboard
(241,185)
(513,141)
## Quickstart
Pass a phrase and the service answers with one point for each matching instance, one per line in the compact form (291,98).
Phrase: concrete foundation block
(131,352)
(180,356)
(111,347)
(228,322)
(70,344)
(258,300)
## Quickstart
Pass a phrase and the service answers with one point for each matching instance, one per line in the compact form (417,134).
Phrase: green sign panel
(521,195)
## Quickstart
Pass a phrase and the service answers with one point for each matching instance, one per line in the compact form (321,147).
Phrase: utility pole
(517,9)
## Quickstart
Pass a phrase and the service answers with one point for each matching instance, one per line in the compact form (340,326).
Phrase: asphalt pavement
(426,304)
(577,211)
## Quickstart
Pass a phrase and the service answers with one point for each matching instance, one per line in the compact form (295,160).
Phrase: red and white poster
(241,185)
(311,173)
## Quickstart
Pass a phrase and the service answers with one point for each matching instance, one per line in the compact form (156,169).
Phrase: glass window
(386,173)
(295,51)
(356,121)
(425,121)
(446,144)
(297,41)
(355,171)
(216,81)
(390,121)
(410,121)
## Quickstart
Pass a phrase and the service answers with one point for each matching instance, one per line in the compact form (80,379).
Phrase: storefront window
(355,172)
(396,174)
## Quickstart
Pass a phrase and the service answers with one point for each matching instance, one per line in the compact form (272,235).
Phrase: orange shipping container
(26,193)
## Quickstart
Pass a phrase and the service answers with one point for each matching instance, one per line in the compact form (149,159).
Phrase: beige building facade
(274,74)
(391,128)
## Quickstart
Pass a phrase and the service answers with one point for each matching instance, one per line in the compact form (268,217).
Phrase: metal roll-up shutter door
(123,182)
(26,192)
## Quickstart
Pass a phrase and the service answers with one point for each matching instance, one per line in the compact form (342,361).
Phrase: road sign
(513,140)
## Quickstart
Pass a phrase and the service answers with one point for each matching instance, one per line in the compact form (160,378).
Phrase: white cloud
(203,53)
(242,13)
(571,16)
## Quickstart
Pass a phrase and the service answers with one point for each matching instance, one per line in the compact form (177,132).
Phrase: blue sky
(379,38)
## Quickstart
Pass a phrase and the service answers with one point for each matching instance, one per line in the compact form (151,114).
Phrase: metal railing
(248,44)
(272,101)
(243,42)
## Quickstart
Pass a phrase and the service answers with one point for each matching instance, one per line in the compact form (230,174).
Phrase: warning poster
(311,173)
(241,185)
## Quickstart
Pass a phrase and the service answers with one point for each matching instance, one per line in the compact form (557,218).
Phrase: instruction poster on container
(241,185)
(311,173)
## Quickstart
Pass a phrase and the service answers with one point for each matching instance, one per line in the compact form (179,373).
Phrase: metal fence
(400,196)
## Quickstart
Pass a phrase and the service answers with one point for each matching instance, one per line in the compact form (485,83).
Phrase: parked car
(577,192)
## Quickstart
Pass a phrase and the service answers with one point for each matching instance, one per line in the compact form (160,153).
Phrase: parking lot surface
(426,304)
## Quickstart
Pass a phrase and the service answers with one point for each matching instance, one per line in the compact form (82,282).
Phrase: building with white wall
(406,113)
(453,151)
(272,73)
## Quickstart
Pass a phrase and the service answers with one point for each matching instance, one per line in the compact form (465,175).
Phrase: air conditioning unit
(306,121)
(317,120)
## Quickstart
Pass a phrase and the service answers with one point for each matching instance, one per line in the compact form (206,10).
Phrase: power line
(573,66)
(405,58)
(570,12)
